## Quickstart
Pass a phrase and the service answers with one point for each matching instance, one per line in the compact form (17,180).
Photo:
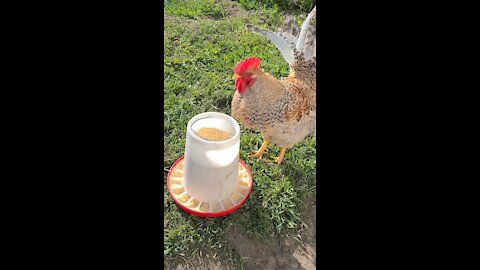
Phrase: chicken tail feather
(285,42)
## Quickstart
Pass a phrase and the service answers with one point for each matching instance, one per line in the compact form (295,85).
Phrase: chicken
(284,111)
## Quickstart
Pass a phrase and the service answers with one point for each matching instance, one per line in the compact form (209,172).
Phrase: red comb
(244,64)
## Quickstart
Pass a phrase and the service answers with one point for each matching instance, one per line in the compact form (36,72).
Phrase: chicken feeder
(210,180)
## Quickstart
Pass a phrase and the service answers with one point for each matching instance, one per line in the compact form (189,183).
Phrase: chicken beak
(236,76)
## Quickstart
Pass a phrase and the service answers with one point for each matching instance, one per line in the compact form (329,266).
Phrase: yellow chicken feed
(213,134)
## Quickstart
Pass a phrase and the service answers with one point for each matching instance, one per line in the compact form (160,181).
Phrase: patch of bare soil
(234,9)
(288,254)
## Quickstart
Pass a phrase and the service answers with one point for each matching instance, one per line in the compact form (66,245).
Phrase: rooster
(284,111)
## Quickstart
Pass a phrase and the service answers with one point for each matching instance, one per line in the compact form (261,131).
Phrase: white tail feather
(306,27)
(283,41)
(287,43)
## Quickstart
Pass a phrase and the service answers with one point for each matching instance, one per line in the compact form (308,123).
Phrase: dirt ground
(289,254)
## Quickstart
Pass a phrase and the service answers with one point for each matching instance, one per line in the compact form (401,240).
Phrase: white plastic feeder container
(210,180)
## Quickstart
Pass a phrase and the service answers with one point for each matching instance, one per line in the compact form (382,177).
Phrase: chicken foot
(280,157)
(262,149)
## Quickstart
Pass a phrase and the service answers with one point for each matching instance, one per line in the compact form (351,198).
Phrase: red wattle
(244,82)
(241,85)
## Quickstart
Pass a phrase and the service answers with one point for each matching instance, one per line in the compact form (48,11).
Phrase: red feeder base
(204,209)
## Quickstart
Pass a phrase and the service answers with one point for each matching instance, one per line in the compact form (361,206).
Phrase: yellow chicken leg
(262,149)
(280,157)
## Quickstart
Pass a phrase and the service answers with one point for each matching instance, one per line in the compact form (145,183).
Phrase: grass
(202,44)
(288,5)
(194,8)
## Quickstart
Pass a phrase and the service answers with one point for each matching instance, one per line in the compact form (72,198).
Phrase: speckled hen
(284,110)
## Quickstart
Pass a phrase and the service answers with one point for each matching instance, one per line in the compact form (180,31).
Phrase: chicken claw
(259,153)
(280,157)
